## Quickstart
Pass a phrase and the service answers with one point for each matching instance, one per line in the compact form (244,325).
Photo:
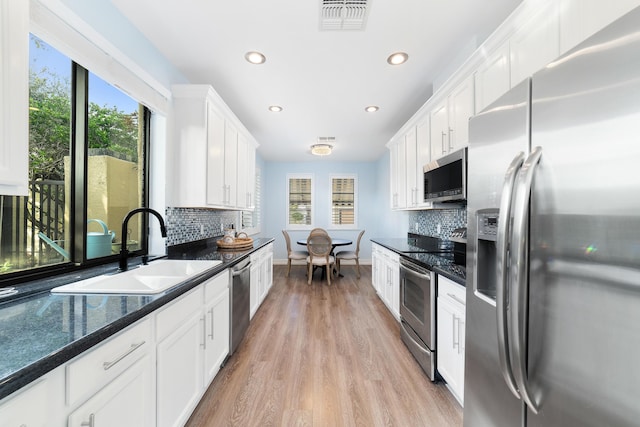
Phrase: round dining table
(334,244)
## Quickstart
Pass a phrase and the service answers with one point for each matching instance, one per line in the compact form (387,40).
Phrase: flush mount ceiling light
(255,57)
(275,108)
(321,149)
(397,58)
(371,108)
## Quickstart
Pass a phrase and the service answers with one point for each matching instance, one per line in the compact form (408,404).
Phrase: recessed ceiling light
(371,108)
(397,58)
(275,108)
(255,57)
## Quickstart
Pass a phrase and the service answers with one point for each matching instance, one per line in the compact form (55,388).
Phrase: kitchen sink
(154,278)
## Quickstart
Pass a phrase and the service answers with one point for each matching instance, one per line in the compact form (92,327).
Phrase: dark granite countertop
(41,331)
(440,262)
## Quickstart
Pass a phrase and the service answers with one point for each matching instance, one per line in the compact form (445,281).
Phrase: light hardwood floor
(324,356)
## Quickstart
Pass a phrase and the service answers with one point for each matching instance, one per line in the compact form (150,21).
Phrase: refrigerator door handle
(501,272)
(519,276)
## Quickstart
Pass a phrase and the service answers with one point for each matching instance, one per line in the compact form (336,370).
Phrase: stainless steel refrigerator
(553,262)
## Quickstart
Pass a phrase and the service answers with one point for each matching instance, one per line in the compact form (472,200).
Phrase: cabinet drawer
(216,286)
(176,313)
(91,370)
(449,289)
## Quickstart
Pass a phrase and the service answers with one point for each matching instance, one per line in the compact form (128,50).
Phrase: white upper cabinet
(580,19)
(216,188)
(493,77)
(211,150)
(398,174)
(14,97)
(535,44)
(450,120)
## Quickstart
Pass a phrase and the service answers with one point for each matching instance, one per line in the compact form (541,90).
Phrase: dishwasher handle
(237,271)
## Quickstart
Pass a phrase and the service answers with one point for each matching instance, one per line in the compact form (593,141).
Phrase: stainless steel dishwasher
(240,303)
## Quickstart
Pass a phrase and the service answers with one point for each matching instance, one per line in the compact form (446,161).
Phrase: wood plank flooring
(324,356)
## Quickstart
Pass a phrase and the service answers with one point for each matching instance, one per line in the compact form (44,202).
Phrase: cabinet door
(461,109)
(217,334)
(493,78)
(179,371)
(535,44)
(216,189)
(411,151)
(14,97)
(423,156)
(439,130)
(230,163)
(580,19)
(254,295)
(401,174)
(447,342)
(126,401)
(394,293)
(242,187)
(17,410)
(268,266)
(251,175)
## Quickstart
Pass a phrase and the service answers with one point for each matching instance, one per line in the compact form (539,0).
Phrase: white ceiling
(322,79)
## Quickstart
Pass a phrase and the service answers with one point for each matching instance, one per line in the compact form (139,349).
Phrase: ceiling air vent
(343,14)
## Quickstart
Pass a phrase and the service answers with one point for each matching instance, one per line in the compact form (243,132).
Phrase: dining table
(334,243)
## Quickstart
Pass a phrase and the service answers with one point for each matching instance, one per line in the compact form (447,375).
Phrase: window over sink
(88,144)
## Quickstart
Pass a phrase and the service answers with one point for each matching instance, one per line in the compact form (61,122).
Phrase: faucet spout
(124,253)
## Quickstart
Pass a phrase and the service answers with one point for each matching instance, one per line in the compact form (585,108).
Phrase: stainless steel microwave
(445,179)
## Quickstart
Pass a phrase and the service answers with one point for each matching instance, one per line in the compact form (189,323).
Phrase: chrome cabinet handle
(442,144)
(450,139)
(109,365)
(88,423)
(519,259)
(453,331)
(502,294)
(203,319)
(211,324)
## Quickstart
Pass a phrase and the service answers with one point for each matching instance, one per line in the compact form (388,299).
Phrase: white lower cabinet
(126,401)
(386,278)
(179,379)
(261,276)
(19,409)
(153,373)
(216,338)
(193,340)
(451,335)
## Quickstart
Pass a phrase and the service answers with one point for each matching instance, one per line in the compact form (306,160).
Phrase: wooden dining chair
(351,255)
(319,247)
(291,254)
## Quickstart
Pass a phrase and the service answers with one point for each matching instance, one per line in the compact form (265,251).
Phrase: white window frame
(290,226)
(353,226)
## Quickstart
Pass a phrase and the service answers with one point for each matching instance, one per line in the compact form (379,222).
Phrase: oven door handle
(413,272)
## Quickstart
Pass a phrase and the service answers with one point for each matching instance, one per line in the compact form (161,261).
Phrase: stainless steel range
(417,313)
(418,294)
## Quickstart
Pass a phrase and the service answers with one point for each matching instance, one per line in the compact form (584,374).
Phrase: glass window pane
(343,201)
(35,229)
(115,168)
(299,201)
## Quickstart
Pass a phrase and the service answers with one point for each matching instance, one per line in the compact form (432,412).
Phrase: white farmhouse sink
(147,279)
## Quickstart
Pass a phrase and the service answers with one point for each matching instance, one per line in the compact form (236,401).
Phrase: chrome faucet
(124,253)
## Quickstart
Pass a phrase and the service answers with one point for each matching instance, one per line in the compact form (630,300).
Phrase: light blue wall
(374,214)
